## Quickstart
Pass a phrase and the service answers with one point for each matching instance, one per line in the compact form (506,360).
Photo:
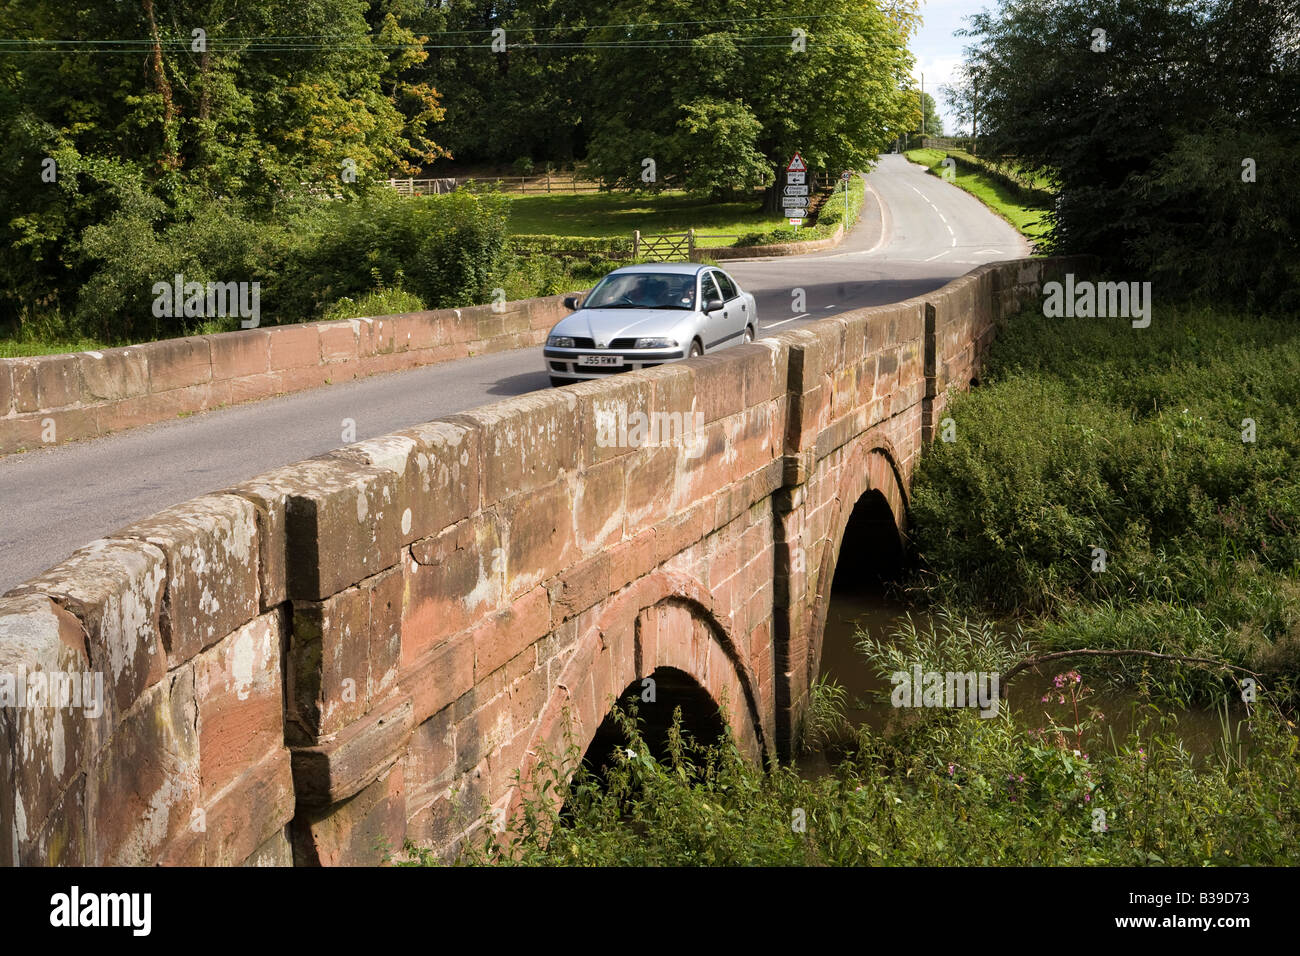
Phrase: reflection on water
(1200,729)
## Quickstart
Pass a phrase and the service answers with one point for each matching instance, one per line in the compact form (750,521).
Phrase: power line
(345,42)
(485,31)
(753,43)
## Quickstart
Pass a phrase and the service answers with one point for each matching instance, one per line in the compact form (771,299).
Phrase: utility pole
(974,112)
(922,143)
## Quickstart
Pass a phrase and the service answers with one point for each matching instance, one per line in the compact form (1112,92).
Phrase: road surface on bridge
(916,235)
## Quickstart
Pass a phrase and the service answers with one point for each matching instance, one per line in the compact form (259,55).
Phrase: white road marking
(772,325)
(885,226)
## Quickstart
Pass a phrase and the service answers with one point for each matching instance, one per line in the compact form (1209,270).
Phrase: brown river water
(1201,730)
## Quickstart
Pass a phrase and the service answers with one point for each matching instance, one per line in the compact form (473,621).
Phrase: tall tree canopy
(717,96)
(154,105)
(1169,127)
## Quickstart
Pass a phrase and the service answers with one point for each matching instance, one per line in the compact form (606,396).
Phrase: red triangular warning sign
(797,165)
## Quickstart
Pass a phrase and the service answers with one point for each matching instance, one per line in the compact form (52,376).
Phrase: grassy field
(603,215)
(996,195)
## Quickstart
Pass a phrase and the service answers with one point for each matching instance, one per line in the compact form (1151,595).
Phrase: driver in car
(655,294)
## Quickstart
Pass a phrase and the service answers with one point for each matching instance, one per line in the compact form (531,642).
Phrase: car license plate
(600,360)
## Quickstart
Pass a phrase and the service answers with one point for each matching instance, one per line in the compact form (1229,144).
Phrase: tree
(933,123)
(187,102)
(827,78)
(1143,113)
(960,96)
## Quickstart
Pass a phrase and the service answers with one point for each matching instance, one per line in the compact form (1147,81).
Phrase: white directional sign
(796,190)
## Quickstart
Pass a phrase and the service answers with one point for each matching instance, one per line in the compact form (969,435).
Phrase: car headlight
(656,343)
(560,341)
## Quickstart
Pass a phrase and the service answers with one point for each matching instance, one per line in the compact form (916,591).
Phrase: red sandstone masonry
(367,647)
(88,394)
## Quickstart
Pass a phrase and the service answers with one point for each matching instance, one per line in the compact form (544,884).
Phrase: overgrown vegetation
(1171,449)
(948,788)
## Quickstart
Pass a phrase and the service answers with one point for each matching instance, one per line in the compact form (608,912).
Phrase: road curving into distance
(916,234)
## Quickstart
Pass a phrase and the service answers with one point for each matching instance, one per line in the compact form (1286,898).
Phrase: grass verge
(1006,200)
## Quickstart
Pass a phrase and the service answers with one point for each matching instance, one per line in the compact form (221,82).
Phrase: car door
(734,310)
(715,331)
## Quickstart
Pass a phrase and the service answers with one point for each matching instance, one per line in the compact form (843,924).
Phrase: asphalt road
(919,234)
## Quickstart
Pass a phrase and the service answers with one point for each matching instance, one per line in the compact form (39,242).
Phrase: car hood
(605,325)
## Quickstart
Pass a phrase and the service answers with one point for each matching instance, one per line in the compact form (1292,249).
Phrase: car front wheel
(696,349)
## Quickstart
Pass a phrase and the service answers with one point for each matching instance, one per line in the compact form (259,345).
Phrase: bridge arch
(665,623)
(869,480)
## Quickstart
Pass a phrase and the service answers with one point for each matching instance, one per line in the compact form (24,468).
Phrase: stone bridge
(369,649)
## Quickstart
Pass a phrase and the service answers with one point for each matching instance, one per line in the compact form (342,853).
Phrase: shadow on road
(520,384)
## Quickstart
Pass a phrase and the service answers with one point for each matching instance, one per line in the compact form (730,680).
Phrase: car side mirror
(712,304)
(571,302)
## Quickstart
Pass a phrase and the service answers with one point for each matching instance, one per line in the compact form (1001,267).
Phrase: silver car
(642,316)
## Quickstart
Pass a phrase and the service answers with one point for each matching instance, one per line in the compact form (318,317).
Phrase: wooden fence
(669,247)
(526,185)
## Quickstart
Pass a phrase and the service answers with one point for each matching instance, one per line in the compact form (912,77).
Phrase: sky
(937,51)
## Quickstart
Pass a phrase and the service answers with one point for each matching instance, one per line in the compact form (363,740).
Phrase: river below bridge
(1201,729)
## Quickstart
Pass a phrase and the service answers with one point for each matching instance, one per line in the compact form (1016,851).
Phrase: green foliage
(726,96)
(829,216)
(948,643)
(947,788)
(140,245)
(723,155)
(933,125)
(1090,434)
(1149,159)
(378,302)
(826,719)
(446,250)
(462,253)
(566,247)
(250,121)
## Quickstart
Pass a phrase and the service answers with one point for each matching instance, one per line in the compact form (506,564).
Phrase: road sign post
(796,190)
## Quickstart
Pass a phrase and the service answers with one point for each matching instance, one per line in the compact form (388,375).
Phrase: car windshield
(643,290)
